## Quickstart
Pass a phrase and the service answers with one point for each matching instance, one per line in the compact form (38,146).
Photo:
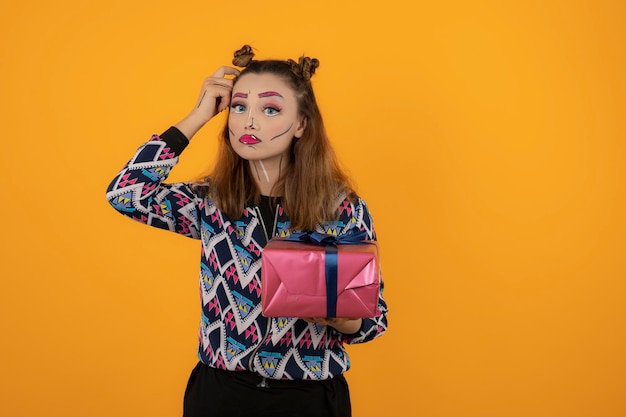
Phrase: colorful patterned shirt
(233,334)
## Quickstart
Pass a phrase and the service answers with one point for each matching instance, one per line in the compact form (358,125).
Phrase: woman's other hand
(343,325)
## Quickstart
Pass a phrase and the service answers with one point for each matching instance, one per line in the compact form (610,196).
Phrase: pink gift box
(293,279)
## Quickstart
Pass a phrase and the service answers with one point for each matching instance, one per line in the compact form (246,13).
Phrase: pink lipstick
(249,140)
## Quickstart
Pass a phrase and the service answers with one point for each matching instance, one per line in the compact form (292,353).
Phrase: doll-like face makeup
(263,118)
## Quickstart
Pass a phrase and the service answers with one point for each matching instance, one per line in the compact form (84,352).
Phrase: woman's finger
(225,70)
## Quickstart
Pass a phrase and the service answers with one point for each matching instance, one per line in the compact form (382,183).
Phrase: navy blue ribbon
(324,239)
(330,269)
(330,243)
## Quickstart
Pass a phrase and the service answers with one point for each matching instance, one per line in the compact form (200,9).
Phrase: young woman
(275,173)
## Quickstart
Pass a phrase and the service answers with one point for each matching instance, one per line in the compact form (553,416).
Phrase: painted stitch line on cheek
(280,134)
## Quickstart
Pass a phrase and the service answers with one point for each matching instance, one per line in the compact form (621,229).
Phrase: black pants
(215,393)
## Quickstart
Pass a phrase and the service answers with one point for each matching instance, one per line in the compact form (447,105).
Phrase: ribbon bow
(326,239)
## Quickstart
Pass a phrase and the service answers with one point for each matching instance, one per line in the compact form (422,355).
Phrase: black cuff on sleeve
(175,139)
(358,332)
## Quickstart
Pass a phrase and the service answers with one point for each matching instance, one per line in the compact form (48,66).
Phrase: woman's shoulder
(202,192)
(350,201)
(353,214)
(201,187)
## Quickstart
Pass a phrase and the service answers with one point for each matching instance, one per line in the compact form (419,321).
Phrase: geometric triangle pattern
(233,333)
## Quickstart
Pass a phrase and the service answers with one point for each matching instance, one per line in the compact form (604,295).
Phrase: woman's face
(263,118)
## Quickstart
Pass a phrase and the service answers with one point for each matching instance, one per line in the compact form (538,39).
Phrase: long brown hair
(312,181)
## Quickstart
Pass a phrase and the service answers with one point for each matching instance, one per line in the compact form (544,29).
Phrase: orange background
(487,137)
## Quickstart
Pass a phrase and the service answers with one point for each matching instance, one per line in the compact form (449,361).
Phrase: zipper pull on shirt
(266,213)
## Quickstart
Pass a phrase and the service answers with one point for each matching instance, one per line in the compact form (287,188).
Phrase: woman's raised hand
(216,91)
(214,97)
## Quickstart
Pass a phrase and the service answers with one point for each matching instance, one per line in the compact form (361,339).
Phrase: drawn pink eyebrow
(269,94)
(240,95)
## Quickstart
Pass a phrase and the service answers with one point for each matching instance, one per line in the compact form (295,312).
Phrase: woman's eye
(238,108)
(271,111)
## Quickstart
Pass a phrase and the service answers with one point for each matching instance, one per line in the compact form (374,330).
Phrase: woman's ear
(300,128)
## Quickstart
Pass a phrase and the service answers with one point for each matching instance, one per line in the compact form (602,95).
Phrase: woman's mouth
(249,140)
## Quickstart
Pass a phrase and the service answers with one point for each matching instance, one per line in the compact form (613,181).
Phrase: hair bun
(305,67)
(308,66)
(243,56)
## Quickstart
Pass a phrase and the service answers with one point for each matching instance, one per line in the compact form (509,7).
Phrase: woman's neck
(266,173)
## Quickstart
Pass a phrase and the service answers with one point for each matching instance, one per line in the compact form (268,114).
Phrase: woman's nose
(250,121)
